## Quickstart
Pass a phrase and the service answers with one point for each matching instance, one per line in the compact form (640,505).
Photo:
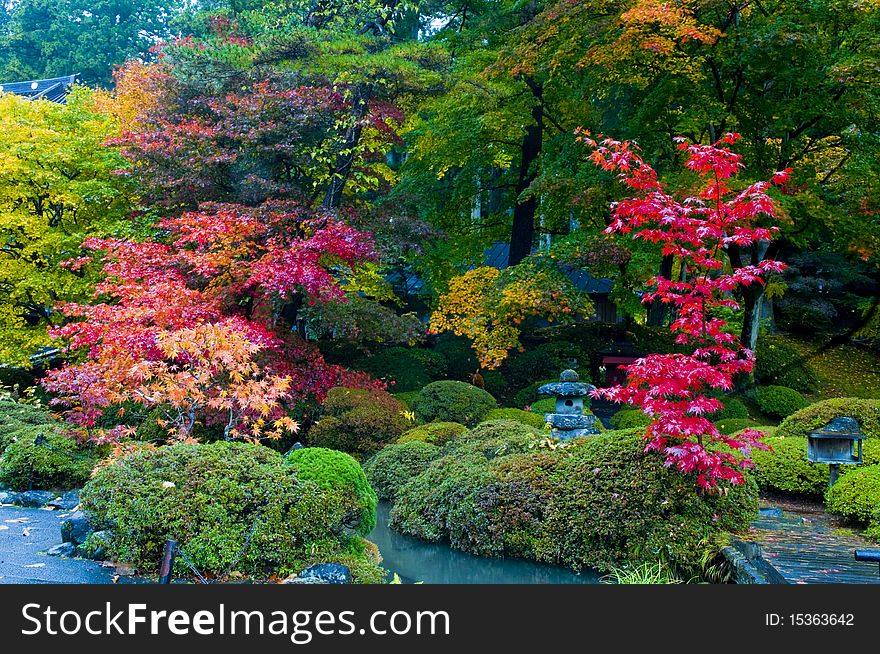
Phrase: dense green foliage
(856,495)
(233,507)
(530,418)
(435,433)
(39,456)
(340,473)
(453,401)
(396,464)
(597,503)
(816,416)
(15,415)
(732,409)
(779,401)
(629,419)
(358,421)
(404,369)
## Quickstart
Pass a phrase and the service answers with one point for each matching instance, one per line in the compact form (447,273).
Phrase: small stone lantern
(569,420)
(837,443)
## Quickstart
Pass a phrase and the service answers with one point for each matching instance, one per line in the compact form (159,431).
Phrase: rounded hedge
(528,396)
(231,507)
(856,496)
(630,419)
(732,409)
(40,457)
(816,416)
(497,438)
(736,424)
(405,369)
(339,472)
(779,401)
(358,421)
(547,405)
(396,464)
(600,502)
(435,433)
(15,415)
(453,401)
(529,418)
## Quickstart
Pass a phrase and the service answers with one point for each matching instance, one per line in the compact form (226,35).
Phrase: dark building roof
(498,254)
(53,90)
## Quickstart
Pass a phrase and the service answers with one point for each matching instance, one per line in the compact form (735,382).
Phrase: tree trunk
(523,230)
(658,311)
(360,98)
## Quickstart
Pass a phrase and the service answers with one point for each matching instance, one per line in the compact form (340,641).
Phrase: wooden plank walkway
(807,548)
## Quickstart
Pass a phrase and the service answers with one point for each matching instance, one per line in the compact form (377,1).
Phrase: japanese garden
(511,291)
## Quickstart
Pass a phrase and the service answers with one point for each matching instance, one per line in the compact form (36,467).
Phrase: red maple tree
(190,325)
(672,387)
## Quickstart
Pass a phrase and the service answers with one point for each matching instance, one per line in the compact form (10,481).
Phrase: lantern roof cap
(567,386)
(844,426)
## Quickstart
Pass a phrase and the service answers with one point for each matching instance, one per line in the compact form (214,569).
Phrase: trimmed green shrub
(40,457)
(547,405)
(547,360)
(732,409)
(598,503)
(15,415)
(779,401)
(461,363)
(496,438)
(816,416)
(856,496)
(396,464)
(630,419)
(339,472)
(785,468)
(529,418)
(435,433)
(358,421)
(529,395)
(736,424)
(779,363)
(407,397)
(453,401)
(231,506)
(495,384)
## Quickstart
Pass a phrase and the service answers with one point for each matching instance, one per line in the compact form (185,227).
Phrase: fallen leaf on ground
(36,565)
(25,532)
(17,520)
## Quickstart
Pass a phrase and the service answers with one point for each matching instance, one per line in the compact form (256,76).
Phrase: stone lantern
(837,443)
(569,420)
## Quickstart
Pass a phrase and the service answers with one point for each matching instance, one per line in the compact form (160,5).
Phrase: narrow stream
(415,560)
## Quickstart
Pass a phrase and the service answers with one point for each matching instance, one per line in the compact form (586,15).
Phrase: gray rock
(62,549)
(68,501)
(307,580)
(75,529)
(327,573)
(7,497)
(34,499)
(96,545)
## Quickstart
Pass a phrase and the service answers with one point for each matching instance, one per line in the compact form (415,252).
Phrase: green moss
(779,401)
(732,409)
(453,401)
(339,472)
(736,424)
(40,457)
(436,433)
(396,464)
(231,506)
(629,419)
(815,416)
(529,418)
(547,405)
(780,363)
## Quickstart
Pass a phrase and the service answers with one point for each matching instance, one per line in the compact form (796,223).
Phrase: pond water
(437,563)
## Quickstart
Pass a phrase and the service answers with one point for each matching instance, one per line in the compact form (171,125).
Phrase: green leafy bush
(785,468)
(547,360)
(779,401)
(529,418)
(856,496)
(339,472)
(599,503)
(736,424)
(15,415)
(453,401)
(405,369)
(732,409)
(358,421)
(816,416)
(630,419)
(396,464)
(495,438)
(231,506)
(461,363)
(528,396)
(40,457)
(435,433)
(779,363)
(406,397)
(547,405)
